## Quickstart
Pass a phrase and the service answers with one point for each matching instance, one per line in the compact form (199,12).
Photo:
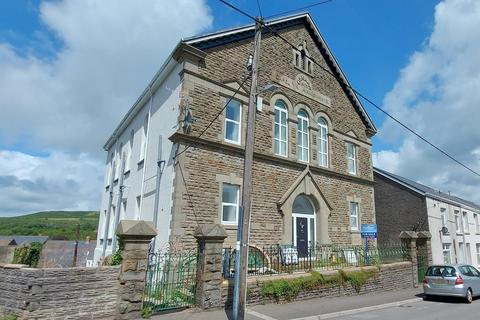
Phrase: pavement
(314,309)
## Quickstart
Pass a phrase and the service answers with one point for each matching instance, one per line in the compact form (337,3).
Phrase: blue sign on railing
(368,230)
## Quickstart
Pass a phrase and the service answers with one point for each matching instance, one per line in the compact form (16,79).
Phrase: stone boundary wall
(66,293)
(392,276)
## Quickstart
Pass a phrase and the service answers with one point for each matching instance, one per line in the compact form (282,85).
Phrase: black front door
(302,237)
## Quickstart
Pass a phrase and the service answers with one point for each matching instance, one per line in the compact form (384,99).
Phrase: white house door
(303,215)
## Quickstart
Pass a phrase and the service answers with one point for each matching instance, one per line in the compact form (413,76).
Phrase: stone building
(312,175)
(405,205)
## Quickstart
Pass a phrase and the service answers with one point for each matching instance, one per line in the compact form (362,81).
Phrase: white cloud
(57,182)
(438,95)
(70,102)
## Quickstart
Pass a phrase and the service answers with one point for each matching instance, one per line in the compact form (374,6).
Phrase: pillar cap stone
(424,234)
(136,229)
(210,232)
(408,235)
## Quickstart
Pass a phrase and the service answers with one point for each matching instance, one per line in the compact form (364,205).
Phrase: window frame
(303,122)
(325,154)
(477,225)
(356,215)
(465,223)
(280,110)
(238,123)
(353,158)
(458,228)
(143,144)
(230,204)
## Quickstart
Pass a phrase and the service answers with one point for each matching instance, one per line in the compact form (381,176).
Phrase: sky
(70,69)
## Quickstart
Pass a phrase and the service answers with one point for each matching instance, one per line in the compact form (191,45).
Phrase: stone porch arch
(305,185)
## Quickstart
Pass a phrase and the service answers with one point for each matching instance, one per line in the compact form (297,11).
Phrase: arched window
(301,58)
(281,132)
(302,136)
(304,225)
(322,141)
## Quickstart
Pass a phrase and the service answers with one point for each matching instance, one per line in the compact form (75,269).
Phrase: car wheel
(427,297)
(468,296)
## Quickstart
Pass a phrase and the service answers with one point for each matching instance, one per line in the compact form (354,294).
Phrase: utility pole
(240,290)
(75,251)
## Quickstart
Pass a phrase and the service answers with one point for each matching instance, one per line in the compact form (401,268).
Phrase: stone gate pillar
(210,238)
(424,245)
(409,240)
(135,236)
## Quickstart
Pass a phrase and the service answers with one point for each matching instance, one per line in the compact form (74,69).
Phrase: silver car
(452,280)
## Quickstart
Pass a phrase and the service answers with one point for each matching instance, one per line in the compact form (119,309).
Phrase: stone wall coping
(14,266)
(136,229)
(210,232)
(424,235)
(387,266)
(408,235)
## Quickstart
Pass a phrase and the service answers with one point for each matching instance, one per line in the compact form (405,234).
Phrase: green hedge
(28,254)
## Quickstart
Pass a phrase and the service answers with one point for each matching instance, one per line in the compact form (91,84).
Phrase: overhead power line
(346,84)
(298,9)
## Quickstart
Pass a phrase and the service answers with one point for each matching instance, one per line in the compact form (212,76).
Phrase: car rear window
(441,271)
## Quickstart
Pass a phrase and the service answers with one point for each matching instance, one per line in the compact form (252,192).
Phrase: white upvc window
(466,225)
(461,254)
(443,215)
(143,142)
(478,254)
(230,203)
(352,158)
(233,122)
(447,257)
(129,151)
(457,223)
(137,207)
(280,143)
(477,225)
(302,136)
(322,142)
(353,208)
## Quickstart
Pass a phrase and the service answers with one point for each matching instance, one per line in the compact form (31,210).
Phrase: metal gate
(422,264)
(170,281)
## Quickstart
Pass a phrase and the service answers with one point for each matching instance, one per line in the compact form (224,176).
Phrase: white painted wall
(163,122)
(454,238)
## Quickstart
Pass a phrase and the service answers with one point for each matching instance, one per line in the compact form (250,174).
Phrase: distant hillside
(52,224)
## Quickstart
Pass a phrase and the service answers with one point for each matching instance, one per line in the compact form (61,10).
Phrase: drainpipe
(145,152)
(160,167)
(110,200)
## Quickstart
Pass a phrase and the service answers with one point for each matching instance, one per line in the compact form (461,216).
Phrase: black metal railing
(278,259)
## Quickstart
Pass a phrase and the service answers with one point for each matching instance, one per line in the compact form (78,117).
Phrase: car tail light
(425,280)
(459,280)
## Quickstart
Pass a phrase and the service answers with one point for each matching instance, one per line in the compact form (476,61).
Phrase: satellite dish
(444,230)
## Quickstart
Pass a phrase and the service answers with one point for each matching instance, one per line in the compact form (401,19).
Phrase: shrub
(29,254)
(357,278)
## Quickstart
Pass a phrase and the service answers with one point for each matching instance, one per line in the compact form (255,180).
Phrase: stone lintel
(210,232)
(136,229)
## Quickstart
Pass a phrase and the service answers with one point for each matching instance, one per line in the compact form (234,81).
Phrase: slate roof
(59,253)
(425,190)
(25,239)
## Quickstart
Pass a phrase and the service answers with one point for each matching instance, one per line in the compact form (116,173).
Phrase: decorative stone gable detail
(306,185)
(302,85)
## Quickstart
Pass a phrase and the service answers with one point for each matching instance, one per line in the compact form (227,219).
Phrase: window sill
(115,181)
(303,71)
(107,188)
(230,226)
(232,142)
(140,162)
(127,172)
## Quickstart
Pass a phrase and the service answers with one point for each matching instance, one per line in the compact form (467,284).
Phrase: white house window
(137,207)
(233,119)
(444,217)
(477,225)
(352,158)
(354,215)
(446,253)
(457,222)
(466,226)
(119,162)
(123,213)
(280,137)
(230,203)
(461,248)
(143,144)
(478,253)
(129,151)
(322,142)
(302,136)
